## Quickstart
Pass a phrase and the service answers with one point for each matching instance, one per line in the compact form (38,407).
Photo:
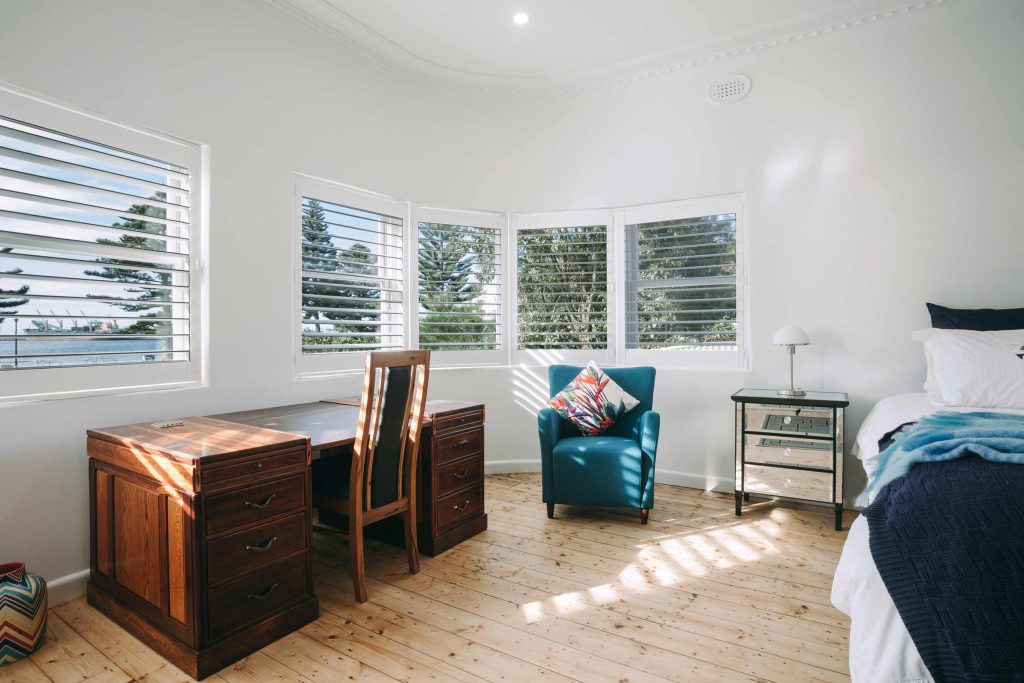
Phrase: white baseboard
(66,588)
(704,482)
(688,479)
(511,466)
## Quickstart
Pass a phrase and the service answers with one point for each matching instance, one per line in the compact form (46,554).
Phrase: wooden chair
(382,476)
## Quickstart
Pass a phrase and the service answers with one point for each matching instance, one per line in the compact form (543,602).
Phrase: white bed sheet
(881,650)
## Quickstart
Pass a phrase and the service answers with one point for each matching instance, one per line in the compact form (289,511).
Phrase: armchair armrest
(646,434)
(549,429)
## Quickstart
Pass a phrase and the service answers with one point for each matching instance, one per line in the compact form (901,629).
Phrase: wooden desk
(451,461)
(201,534)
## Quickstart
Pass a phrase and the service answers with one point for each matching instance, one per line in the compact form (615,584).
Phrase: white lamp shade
(791,335)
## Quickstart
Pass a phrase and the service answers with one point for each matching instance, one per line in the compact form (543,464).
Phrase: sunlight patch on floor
(668,561)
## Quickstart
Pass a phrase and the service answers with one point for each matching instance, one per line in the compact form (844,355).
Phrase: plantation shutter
(681,283)
(563,287)
(459,287)
(94,253)
(351,283)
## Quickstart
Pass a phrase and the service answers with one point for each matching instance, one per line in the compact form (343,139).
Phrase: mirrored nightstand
(790,447)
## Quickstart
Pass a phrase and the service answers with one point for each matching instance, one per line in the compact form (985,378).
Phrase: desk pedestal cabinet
(201,538)
(451,479)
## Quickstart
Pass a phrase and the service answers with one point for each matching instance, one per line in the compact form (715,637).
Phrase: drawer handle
(262,506)
(263,547)
(462,474)
(461,506)
(264,595)
(462,444)
(259,465)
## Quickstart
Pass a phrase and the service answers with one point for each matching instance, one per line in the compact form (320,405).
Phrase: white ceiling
(567,42)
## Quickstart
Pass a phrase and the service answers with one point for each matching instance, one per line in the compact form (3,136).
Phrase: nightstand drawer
(789,419)
(788,451)
(790,483)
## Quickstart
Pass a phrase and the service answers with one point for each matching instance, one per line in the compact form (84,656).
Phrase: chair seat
(597,470)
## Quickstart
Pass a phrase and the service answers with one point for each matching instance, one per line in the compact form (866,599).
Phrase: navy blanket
(948,540)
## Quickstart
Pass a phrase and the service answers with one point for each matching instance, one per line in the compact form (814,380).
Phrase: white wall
(881,167)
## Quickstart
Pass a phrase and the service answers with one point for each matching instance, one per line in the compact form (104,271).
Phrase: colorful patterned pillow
(592,401)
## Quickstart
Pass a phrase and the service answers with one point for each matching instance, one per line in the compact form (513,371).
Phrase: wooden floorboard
(697,594)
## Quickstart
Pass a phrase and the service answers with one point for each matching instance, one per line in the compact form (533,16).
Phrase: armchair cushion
(592,401)
(599,470)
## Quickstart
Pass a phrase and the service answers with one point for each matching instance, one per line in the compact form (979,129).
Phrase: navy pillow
(982,319)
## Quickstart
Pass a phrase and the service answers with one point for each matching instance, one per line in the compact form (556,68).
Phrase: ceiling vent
(729,89)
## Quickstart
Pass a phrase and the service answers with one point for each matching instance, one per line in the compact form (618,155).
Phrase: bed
(881,648)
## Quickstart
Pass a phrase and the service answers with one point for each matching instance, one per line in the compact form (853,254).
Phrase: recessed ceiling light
(521,18)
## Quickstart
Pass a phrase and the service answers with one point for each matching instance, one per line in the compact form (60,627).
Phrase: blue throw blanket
(947,536)
(998,437)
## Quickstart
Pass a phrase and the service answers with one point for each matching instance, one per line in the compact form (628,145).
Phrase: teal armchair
(615,469)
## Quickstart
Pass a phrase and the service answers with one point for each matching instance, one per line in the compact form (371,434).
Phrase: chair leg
(644,512)
(355,546)
(411,544)
(551,510)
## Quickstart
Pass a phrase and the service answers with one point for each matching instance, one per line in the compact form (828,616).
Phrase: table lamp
(792,337)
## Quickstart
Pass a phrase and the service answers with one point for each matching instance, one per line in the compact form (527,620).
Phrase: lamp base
(792,392)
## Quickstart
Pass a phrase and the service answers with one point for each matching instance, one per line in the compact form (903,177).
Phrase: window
(459,284)
(351,277)
(562,285)
(681,287)
(97,266)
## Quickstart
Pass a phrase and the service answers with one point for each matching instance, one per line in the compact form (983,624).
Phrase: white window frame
(483,219)
(79,381)
(550,219)
(728,358)
(325,365)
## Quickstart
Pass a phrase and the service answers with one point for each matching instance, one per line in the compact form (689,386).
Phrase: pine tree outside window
(459,285)
(351,275)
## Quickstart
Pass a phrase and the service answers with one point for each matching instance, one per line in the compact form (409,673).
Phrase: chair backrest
(390,423)
(637,381)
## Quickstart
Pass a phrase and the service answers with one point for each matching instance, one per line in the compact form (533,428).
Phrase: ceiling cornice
(763,39)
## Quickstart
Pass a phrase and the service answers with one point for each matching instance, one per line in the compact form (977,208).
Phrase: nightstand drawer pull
(262,506)
(262,547)
(264,595)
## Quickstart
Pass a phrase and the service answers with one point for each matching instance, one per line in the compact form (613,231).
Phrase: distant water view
(97,351)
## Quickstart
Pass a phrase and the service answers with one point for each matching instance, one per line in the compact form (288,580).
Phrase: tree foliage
(563,290)
(682,289)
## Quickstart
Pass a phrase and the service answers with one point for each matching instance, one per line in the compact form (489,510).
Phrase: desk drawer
(257,465)
(459,474)
(788,451)
(458,445)
(780,481)
(255,596)
(459,421)
(255,503)
(242,551)
(457,508)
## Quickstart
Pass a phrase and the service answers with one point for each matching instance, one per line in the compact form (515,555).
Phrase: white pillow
(973,368)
